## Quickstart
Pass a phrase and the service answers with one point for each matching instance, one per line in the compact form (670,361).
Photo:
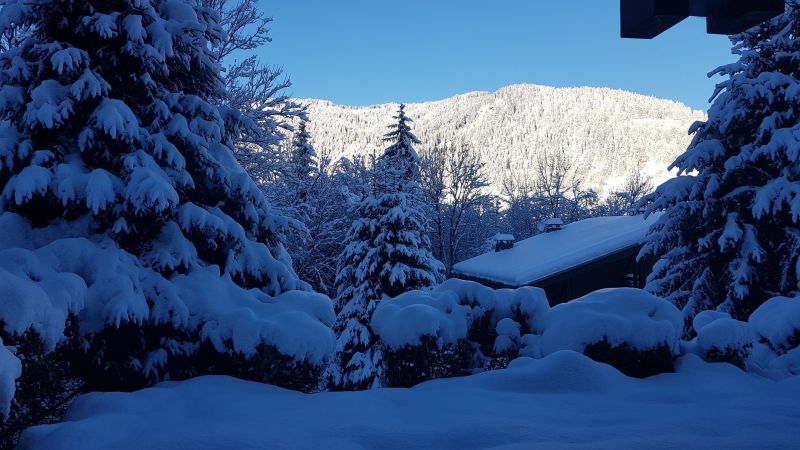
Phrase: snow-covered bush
(507,344)
(721,338)
(767,344)
(630,329)
(776,325)
(456,328)
(424,337)
(525,306)
(43,394)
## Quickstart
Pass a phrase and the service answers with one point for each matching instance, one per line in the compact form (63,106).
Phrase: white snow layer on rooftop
(547,254)
(562,401)
(503,237)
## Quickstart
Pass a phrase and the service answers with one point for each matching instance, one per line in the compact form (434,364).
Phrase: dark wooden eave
(646,19)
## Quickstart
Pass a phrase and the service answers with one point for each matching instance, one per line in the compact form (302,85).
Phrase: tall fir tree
(117,164)
(308,193)
(388,252)
(729,238)
(303,158)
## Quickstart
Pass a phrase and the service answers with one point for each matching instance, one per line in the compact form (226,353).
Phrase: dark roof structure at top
(646,19)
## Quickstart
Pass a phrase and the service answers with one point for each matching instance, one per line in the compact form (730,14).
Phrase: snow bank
(620,316)
(564,400)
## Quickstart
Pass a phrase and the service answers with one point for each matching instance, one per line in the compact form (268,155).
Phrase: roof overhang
(646,19)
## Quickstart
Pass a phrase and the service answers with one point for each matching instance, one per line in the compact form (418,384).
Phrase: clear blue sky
(361,52)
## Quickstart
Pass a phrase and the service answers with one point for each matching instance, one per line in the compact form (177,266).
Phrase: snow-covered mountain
(607,133)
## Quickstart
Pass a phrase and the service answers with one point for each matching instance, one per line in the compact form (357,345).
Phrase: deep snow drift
(563,400)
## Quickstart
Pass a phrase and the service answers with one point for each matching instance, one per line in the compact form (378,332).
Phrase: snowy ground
(562,401)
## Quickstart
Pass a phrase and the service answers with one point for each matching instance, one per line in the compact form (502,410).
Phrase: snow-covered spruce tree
(308,193)
(303,162)
(123,207)
(388,252)
(729,238)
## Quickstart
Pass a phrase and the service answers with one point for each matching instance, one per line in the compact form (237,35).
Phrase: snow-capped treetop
(400,131)
(399,163)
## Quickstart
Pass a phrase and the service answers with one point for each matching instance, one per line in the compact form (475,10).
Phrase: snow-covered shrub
(200,310)
(423,334)
(525,306)
(776,325)
(507,344)
(454,329)
(43,393)
(410,365)
(630,329)
(767,344)
(721,338)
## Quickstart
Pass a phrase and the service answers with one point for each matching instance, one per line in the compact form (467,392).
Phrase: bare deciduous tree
(256,89)
(455,183)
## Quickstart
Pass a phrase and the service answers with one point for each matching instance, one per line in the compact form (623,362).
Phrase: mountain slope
(606,133)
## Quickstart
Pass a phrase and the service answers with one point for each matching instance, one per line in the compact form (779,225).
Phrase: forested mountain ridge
(607,133)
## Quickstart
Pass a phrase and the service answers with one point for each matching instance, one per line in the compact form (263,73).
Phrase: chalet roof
(553,221)
(548,254)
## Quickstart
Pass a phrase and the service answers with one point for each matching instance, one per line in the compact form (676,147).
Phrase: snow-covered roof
(548,254)
(554,221)
(504,237)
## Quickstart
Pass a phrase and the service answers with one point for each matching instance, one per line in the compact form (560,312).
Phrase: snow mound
(621,316)
(560,372)
(706,317)
(562,401)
